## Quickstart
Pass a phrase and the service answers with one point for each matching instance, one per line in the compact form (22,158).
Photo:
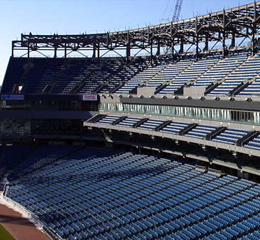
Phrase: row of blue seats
(229,136)
(116,195)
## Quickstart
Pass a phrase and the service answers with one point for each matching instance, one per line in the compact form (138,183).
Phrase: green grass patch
(4,234)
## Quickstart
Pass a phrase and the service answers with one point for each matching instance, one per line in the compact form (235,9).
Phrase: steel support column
(128,47)
(197,39)
(206,48)
(182,45)
(65,50)
(28,49)
(94,50)
(13,48)
(158,47)
(55,51)
(233,39)
(254,45)
(172,40)
(98,50)
(224,34)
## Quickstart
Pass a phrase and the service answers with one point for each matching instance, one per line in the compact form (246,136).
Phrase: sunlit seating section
(141,78)
(253,89)
(221,70)
(174,127)
(171,71)
(200,131)
(129,121)
(230,136)
(108,119)
(190,74)
(150,124)
(244,73)
(254,143)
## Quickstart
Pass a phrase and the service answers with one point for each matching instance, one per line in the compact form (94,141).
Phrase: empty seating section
(14,74)
(125,74)
(99,194)
(220,70)
(73,75)
(9,158)
(100,74)
(190,74)
(254,143)
(66,76)
(174,127)
(129,122)
(42,156)
(244,73)
(167,74)
(141,78)
(230,136)
(251,89)
(108,119)
(79,75)
(200,131)
(150,124)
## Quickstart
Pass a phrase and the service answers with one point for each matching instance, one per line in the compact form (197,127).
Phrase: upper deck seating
(190,74)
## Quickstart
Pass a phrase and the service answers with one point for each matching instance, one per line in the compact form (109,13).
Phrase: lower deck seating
(129,121)
(230,136)
(254,143)
(100,194)
(174,127)
(200,131)
(9,158)
(108,119)
(151,124)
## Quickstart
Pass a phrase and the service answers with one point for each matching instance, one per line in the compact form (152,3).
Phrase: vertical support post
(233,40)
(65,50)
(206,48)
(128,52)
(128,47)
(151,48)
(12,48)
(172,40)
(98,50)
(150,39)
(182,45)
(254,31)
(28,49)
(224,33)
(172,47)
(197,40)
(158,47)
(55,51)
(94,50)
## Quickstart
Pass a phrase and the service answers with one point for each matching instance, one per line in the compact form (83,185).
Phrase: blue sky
(90,16)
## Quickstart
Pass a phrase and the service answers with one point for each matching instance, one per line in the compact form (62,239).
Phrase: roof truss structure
(221,27)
